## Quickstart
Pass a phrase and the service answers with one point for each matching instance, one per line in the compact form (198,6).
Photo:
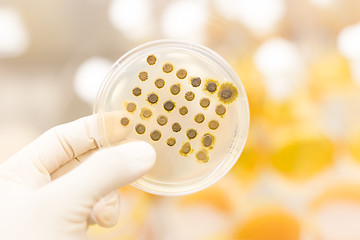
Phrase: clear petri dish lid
(187,102)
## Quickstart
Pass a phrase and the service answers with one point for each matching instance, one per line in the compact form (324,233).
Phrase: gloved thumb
(105,171)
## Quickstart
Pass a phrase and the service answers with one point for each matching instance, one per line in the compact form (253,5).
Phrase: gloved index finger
(34,164)
(64,142)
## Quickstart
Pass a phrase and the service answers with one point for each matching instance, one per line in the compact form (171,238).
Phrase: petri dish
(187,102)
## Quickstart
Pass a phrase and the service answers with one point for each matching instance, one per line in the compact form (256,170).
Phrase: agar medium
(184,100)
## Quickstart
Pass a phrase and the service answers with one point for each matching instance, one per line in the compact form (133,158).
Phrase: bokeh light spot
(89,76)
(14,39)
(280,63)
(260,16)
(271,224)
(185,20)
(132,17)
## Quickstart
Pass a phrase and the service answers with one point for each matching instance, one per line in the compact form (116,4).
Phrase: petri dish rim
(195,184)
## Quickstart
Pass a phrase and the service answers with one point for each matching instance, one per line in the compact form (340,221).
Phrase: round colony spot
(151,60)
(175,89)
(171,141)
(155,135)
(152,98)
(204,102)
(124,121)
(181,73)
(213,124)
(168,67)
(207,140)
(136,91)
(220,109)
(162,120)
(183,110)
(191,133)
(131,107)
(140,128)
(176,127)
(159,83)
(145,113)
(189,96)
(199,118)
(202,156)
(169,105)
(211,86)
(143,76)
(227,92)
(195,82)
(185,148)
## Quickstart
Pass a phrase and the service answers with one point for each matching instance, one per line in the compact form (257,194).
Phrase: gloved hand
(34,206)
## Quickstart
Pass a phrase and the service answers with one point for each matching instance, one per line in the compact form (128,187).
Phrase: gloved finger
(54,148)
(67,167)
(106,211)
(106,170)
(34,164)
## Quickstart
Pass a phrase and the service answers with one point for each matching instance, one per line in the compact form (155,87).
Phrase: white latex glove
(32,206)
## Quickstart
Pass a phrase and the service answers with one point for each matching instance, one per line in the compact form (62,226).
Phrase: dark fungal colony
(202,156)
(175,89)
(159,83)
(191,133)
(199,118)
(131,107)
(155,135)
(211,86)
(185,149)
(204,102)
(213,124)
(167,68)
(171,141)
(124,121)
(152,98)
(181,73)
(162,120)
(176,127)
(145,113)
(169,105)
(189,96)
(151,60)
(207,140)
(195,82)
(140,128)
(183,110)
(227,93)
(220,110)
(136,91)
(143,76)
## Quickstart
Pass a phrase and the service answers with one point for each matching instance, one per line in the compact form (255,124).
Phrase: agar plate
(187,102)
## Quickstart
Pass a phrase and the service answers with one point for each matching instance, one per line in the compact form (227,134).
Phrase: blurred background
(299,60)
